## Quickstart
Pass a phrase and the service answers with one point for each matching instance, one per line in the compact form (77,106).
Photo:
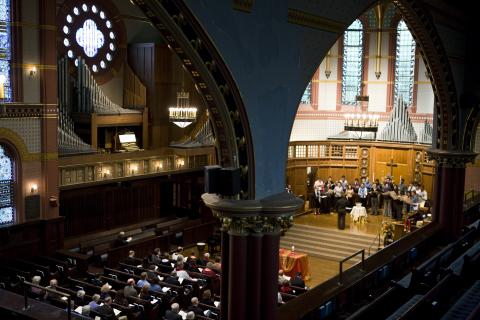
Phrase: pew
(466,306)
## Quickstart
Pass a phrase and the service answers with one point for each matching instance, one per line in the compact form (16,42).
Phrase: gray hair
(85,310)
(175,307)
(36,279)
(80,293)
(194,301)
(96,297)
(190,315)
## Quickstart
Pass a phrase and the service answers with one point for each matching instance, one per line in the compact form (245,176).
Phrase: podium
(398,231)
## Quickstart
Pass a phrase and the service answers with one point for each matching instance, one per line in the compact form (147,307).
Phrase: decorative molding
(316,22)
(451,159)
(27,24)
(271,214)
(243,5)
(16,141)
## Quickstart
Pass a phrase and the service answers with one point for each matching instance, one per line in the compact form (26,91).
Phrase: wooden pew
(467,306)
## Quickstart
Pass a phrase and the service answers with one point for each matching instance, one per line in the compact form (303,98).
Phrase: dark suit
(106,310)
(196,310)
(170,315)
(342,203)
(297,282)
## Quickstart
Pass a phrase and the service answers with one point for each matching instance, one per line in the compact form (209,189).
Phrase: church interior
(185,159)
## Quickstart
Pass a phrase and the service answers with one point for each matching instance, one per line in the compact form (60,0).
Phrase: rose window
(89,34)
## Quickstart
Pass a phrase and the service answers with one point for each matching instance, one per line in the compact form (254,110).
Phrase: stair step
(302,227)
(346,247)
(330,238)
(319,252)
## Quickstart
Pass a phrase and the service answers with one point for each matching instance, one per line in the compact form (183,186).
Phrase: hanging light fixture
(183,114)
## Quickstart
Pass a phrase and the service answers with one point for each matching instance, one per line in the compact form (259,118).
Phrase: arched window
(307,95)
(6,187)
(352,63)
(5,49)
(404,64)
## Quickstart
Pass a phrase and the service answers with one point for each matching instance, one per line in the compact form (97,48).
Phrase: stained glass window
(5,48)
(352,63)
(6,188)
(307,95)
(404,64)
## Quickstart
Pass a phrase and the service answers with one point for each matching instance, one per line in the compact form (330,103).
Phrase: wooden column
(314,88)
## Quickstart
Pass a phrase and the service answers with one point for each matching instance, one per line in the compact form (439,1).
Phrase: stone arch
(187,39)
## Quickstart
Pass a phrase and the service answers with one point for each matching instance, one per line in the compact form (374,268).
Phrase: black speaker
(212,179)
(229,181)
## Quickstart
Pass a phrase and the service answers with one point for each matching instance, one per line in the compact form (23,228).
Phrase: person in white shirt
(180,273)
(423,196)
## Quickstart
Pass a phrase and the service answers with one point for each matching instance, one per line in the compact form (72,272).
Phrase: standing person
(337,192)
(387,200)
(344,183)
(374,194)
(350,193)
(423,196)
(362,193)
(342,204)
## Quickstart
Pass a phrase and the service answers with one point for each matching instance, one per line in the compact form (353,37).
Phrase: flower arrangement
(387,229)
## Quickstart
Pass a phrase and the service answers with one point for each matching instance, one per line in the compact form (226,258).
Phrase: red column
(255,277)
(271,245)
(237,277)
(448,192)
(225,267)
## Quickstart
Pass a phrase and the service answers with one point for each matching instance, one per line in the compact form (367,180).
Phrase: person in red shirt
(285,288)
(208,271)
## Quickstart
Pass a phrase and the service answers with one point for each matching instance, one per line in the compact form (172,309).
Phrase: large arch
(252,63)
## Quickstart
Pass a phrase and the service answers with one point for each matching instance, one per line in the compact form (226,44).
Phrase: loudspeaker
(230,181)
(212,179)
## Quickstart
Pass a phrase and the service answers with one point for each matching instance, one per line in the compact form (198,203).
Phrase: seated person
(53,286)
(105,291)
(208,271)
(285,288)
(106,309)
(121,239)
(181,273)
(173,313)
(151,274)
(86,310)
(144,292)
(204,260)
(281,277)
(172,280)
(37,292)
(131,260)
(217,266)
(190,315)
(95,303)
(129,290)
(143,280)
(194,307)
(297,281)
(155,285)
(80,298)
(156,256)
(120,298)
(207,298)
(175,254)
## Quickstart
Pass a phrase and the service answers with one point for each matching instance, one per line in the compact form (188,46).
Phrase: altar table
(358,213)
(293,262)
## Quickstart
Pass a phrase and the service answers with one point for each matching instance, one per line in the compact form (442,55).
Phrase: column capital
(451,159)
(270,214)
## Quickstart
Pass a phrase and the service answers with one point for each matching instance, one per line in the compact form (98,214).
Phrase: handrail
(371,244)
(25,294)
(340,275)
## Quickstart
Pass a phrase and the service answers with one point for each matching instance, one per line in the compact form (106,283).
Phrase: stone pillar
(250,277)
(448,191)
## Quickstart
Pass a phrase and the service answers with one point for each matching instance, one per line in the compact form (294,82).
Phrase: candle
(293,248)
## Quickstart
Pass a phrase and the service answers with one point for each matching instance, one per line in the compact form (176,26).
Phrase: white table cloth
(358,212)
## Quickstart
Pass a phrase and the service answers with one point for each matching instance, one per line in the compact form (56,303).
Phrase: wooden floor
(323,269)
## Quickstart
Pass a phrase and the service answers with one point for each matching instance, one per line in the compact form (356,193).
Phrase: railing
(340,274)
(374,240)
(27,284)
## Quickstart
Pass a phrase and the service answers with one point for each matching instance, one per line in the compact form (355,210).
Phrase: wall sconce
(33,188)
(159,165)
(33,72)
(133,168)
(106,173)
(328,70)
(53,201)
(180,162)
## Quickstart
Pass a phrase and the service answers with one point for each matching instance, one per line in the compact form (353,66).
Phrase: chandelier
(183,114)
(361,122)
